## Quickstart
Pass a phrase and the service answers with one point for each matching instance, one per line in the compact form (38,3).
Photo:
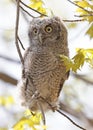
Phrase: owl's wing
(62,82)
(26,53)
(25,57)
(68,73)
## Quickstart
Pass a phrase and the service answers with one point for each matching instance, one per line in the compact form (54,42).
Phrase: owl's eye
(48,29)
(35,31)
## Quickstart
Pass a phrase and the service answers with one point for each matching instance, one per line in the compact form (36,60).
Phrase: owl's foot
(36,95)
(30,102)
(54,107)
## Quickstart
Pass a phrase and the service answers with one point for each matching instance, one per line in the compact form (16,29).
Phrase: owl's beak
(40,38)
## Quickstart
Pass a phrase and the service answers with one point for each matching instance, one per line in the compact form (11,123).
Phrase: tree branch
(79,6)
(27,12)
(9,59)
(32,8)
(77,20)
(70,119)
(79,115)
(16,31)
(8,79)
(82,78)
(59,111)
(20,43)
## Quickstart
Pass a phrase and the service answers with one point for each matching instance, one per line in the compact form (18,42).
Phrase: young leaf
(6,101)
(38,5)
(67,62)
(31,119)
(82,56)
(85,10)
(90,31)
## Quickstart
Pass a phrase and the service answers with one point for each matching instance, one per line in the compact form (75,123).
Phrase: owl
(43,72)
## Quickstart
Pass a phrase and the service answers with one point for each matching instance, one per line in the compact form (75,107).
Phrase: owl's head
(47,31)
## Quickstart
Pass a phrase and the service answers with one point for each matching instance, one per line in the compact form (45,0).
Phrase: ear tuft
(57,18)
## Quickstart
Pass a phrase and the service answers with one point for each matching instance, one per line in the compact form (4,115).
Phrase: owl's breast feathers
(47,72)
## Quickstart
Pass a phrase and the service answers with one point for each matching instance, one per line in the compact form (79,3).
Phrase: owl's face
(46,31)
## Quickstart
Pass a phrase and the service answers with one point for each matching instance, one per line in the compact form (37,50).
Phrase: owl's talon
(54,107)
(36,95)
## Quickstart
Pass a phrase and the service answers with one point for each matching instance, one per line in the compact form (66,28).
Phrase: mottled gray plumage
(44,72)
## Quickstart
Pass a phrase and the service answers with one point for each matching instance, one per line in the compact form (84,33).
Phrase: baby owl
(43,72)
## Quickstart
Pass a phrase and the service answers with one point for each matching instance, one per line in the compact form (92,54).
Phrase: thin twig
(16,32)
(58,110)
(34,97)
(79,6)
(42,111)
(25,17)
(89,15)
(77,20)
(32,9)
(70,119)
(21,43)
(79,115)
(27,12)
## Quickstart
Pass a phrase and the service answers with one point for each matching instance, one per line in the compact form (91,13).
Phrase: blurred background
(76,98)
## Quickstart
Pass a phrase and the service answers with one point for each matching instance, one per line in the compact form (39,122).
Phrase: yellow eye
(48,29)
(35,31)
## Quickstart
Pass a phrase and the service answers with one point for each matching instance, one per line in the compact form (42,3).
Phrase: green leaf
(23,121)
(82,56)
(86,10)
(6,101)
(38,5)
(79,59)
(90,31)
(31,119)
(67,62)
